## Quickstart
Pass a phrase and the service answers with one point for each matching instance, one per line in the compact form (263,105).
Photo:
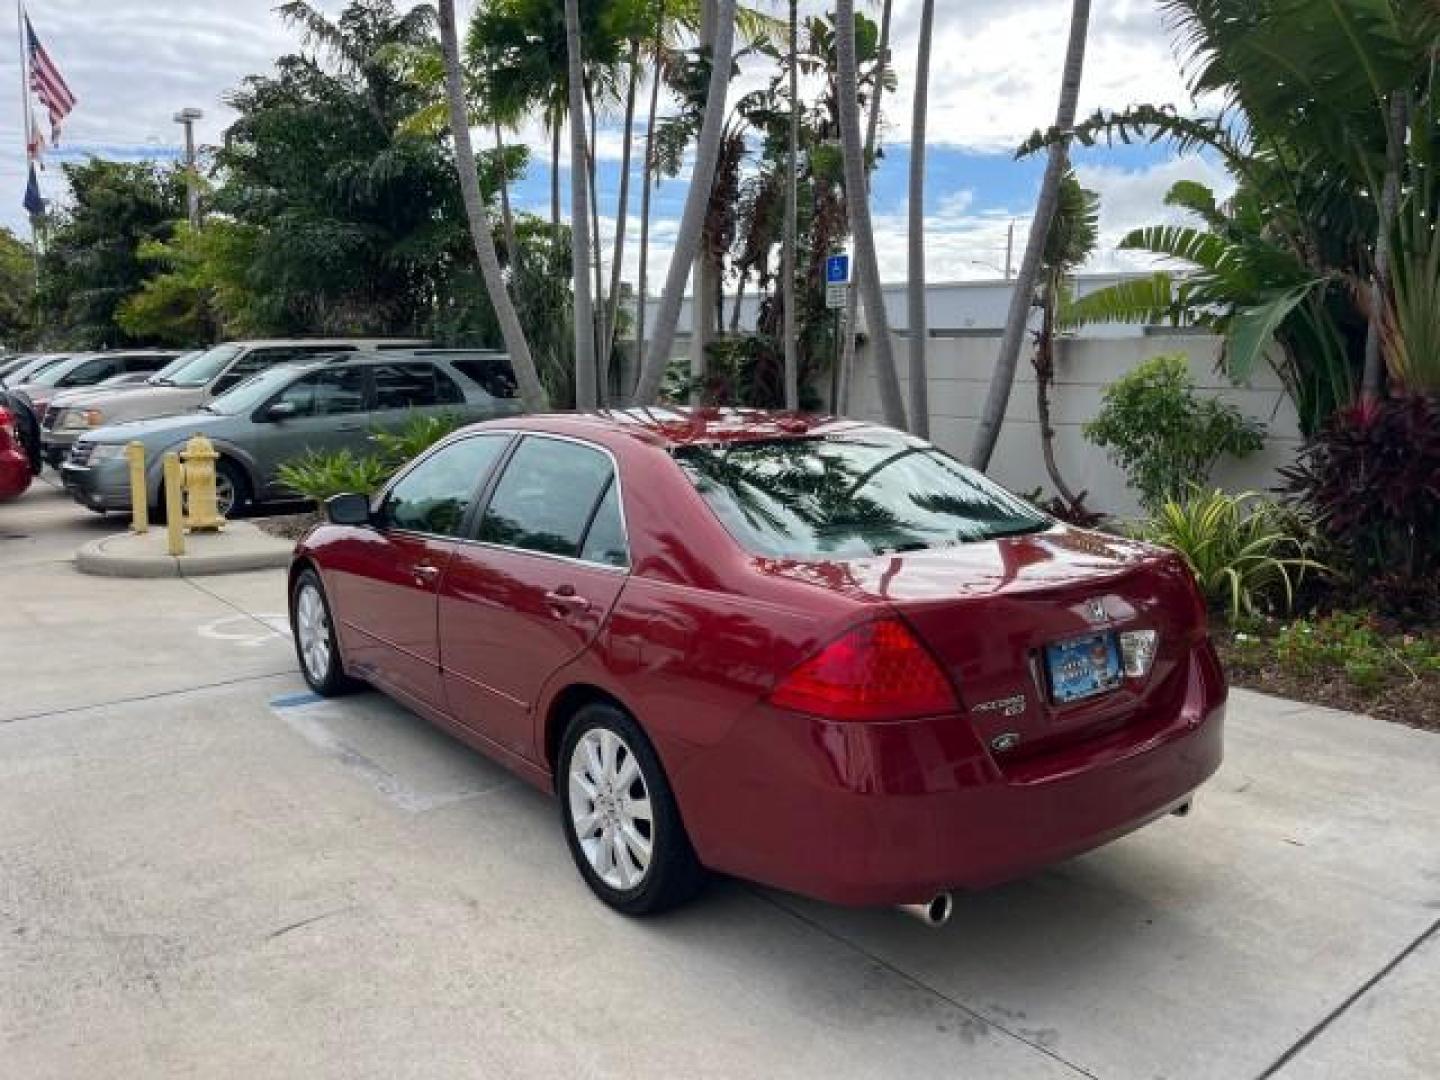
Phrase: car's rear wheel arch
(563,708)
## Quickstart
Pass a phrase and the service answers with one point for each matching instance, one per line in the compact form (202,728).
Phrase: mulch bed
(1402,700)
(288,526)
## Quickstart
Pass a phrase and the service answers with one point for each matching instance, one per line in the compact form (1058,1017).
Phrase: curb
(99,558)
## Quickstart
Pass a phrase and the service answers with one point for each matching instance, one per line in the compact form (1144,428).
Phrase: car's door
(409,388)
(320,412)
(386,579)
(549,561)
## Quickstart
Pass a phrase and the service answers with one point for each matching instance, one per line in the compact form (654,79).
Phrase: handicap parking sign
(837,269)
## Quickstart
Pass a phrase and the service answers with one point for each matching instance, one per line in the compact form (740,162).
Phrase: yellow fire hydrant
(202,514)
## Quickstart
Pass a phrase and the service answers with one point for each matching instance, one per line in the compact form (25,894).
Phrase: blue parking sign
(837,269)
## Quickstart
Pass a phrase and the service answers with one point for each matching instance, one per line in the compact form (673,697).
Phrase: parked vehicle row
(283,402)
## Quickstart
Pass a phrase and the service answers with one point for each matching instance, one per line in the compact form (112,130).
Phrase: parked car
(214,372)
(813,653)
(21,368)
(15,470)
(71,412)
(83,370)
(278,415)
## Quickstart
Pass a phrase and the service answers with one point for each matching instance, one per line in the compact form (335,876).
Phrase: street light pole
(187,118)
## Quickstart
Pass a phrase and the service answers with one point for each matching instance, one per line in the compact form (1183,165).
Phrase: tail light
(877,671)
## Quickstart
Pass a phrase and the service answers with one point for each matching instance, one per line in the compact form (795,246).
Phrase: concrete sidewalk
(206,871)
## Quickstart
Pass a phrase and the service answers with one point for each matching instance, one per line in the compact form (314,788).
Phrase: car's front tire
(314,632)
(620,817)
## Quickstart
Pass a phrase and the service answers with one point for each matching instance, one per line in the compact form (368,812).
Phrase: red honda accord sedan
(814,653)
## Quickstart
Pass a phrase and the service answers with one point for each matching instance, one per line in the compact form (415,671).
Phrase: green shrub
(317,476)
(418,434)
(1163,435)
(1247,553)
(1353,644)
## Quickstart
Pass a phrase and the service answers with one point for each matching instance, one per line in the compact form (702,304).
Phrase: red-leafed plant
(1371,479)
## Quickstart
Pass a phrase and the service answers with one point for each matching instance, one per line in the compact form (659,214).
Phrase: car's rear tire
(314,633)
(620,817)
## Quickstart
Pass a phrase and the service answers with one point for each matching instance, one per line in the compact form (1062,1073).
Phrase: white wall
(960,370)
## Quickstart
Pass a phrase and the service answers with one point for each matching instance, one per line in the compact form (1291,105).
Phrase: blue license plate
(1083,667)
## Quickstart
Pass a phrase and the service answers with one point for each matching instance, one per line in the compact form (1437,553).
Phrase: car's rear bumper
(15,474)
(892,813)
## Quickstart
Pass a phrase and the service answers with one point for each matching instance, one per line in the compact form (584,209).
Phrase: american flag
(47,82)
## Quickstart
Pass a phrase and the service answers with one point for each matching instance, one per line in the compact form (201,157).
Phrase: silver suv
(280,415)
(210,374)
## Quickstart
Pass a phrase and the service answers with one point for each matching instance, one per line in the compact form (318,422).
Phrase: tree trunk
(643,281)
(1044,380)
(697,201)
(532,391)
(580,217)
(592,166)
(702,320)
(852,296)
(919,326)
(555,179)
(1373,381)
(792,222)
(507,217)
(612,317)
(1003,381)
(857,200)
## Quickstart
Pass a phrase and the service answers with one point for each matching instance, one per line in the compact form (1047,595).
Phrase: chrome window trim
(471,541)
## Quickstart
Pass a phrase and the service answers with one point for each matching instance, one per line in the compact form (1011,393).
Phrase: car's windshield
(162,377)
(254,390)
(850,497)
(51,375)
(201,369)
(31,368)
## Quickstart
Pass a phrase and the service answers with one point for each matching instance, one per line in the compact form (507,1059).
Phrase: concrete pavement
(204,871)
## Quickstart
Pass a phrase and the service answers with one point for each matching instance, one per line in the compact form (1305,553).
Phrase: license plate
(1083,667)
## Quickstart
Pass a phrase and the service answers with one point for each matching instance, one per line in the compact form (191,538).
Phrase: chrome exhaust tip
(935,912)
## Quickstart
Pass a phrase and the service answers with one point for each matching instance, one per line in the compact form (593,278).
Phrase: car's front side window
(436,494)
(547,497)
(326,393)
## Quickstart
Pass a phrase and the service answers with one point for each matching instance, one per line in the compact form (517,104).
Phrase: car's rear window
(849,498)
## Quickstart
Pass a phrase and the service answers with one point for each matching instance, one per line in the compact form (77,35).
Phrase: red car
(14,462)
(814,653)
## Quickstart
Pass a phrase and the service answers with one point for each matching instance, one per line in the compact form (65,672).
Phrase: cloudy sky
(133,63)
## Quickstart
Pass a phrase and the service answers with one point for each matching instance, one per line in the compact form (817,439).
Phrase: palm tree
(1074,232)
(792,219)
(648,175)
(919,328)
(872,129)
(532,391)
(585,396)
(707,271)
(697,200)
(1003,380)
(858,203)
(612,314)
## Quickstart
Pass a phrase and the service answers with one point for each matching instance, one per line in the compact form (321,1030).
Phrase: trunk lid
(988,611)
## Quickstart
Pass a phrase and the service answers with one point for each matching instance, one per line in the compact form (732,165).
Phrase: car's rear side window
(547,497)
(850,497)
(414,386)
(436,494)
(493,374)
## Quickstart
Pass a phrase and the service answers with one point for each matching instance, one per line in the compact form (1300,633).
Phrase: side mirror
(281,410)
(347,509)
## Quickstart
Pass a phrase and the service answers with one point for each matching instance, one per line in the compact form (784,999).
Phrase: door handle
(347,427)
(565,602)
(426,575)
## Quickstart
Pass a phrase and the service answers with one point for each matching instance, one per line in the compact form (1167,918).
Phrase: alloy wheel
(610,809)
(312,628)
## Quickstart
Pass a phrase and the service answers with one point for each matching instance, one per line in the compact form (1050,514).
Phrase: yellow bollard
(174,504)
(139,497)
(202,514)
